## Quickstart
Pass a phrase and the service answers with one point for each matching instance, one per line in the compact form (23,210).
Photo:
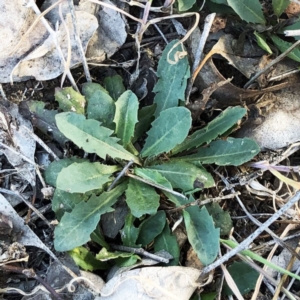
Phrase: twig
(67,63)
(41,143)
(140,251)
(245,244)
(79,44)
(32,4)
(160,32)
(272,63)
(284,277)
(264,273)
(18,154)
(149,40)
(203,202)
(159,186)
(207,25)
(121,174)
(5,191)
(30,273)
(284,75)
(258,223)
(2,93)
(42,210)
(291,282)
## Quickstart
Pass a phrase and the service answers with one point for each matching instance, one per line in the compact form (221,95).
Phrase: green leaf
(93,138)
(129,233)
(127,261)
(178,201)
(141,198)
(44,120)
(248,10)
(55,168)
(184,5)
(154,176)
(98,237)
(283,46)
(202,234)
(295,26)
(64,202)
(184,176)
(216,127)
(233,152)
(168,242)
(220,2)
(168,130)
(100,106)
(151,228)
(114,86)
(75,227)
(209,296)
(86,260)
(84,177)
(260,259)
(220,8)
(221,218)
(171,85)
(262,43)
(126,116)
(105,255)
(145,117)
(279,6)
(244,276)
(70,100)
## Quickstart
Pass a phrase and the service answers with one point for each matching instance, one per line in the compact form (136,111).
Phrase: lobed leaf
(171,85)
(225,152)
(55,168)
(221,218)
(141,198)
(64,202)
(184,5)
(114,86)
(70,100)
(100,106)
(185,176)
(202,234)
(129,233)
(91,136)
(126,116)
(75,227)
(84,177)
(167,131)
(168,242)
(248,10)
(279,6)
(151,228)
(154,176)
(145,117)
(283,46)
(216,127)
